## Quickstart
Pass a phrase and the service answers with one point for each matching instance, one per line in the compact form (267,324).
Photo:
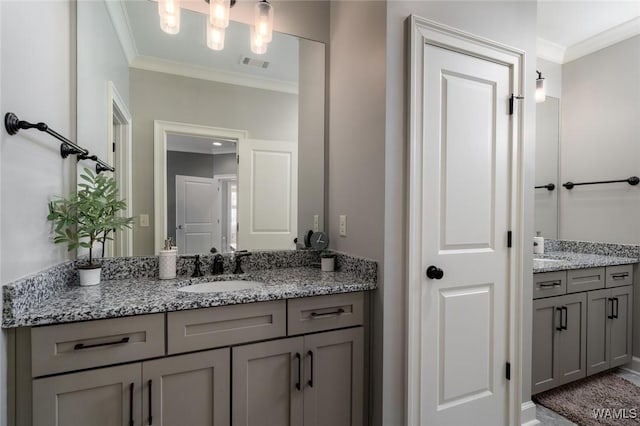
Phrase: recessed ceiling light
(217,143)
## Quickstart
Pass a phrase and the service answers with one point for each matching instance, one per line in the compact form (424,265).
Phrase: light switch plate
(316,223)
(343,225)
(144,220)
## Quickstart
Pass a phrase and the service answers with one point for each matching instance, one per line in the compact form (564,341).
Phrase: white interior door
(465,197)
(267,194)
(195,214)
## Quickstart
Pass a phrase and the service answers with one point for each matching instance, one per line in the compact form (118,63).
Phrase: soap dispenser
(167,260)
(538,244)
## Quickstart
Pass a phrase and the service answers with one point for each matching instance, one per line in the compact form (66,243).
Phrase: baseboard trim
(633,366)
(528,414)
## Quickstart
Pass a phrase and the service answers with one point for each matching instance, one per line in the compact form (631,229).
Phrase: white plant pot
(327,264)
(89,276)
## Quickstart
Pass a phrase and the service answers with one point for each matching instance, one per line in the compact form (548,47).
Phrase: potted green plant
(87,217)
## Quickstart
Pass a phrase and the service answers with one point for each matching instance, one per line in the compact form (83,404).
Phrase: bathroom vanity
(139,351)
(582,316)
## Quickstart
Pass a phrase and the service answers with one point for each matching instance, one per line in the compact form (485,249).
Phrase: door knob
(435,273)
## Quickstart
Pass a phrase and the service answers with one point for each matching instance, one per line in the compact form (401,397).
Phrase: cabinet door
(544,374)
(187,389)
(570,351)
(598,312)
(620,342)
(333,386)
(267,383)
(102,397)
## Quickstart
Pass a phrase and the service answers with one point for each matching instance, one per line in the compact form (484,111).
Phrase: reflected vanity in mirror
(220,150)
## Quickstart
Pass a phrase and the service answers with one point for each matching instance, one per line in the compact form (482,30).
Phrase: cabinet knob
(434,273)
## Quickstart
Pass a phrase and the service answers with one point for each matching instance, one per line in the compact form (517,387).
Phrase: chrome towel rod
(13,124)
(633,180)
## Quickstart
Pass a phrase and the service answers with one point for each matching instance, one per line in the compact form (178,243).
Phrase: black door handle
(299,359)
(150,409)
(131,405)
(310,382)
(434,273)
(615,299)
(610,316)
(566,317)
(559,327)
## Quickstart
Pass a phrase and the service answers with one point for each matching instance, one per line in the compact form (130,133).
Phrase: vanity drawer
(318,313)
(620,275)
(585,279)
(76,346)
(225,325)
(549,284)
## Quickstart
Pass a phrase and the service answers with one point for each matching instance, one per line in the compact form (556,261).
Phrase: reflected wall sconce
(541,93)
(218,21)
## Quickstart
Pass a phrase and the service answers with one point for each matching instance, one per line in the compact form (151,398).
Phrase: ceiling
(186,53)
(568,30)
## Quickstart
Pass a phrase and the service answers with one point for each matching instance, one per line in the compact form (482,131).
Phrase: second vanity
(582,315)
(140,352)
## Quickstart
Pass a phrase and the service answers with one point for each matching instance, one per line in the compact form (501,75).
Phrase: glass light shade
(215,37)
(219,13)
(263,20)
(541,93)
(169,11)
(258,44)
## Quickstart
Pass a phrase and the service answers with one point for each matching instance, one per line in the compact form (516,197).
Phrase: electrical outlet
(144,220)
(343,225)
(316,223)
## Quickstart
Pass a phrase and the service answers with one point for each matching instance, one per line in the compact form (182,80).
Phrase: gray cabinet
(312,380)
(187,389)
(609,328)
(101,397)
(559,341)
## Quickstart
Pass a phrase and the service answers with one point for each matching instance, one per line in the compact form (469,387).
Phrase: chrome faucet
(237,259)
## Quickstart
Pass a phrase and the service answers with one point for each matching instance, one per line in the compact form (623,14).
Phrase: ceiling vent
(253,62)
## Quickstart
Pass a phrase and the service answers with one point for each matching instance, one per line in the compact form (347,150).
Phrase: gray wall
(37,83)
(599,141)
(193,164)
(517,27)
(157,96)
(100,59)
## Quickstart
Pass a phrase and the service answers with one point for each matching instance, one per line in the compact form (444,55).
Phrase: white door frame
(429,32)
(219,179)
(161,129)
(117,110)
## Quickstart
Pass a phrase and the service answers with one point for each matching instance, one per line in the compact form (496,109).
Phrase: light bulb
(169,11)
(258,44)
(263,20)
(215,37)
(219,13)
(541,93)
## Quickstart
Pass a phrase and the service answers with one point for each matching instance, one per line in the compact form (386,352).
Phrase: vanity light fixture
(218,21)
(541,93)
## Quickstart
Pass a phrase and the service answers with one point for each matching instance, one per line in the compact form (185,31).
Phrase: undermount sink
(220,286)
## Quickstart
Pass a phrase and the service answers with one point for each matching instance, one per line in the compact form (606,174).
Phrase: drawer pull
(299,359)
(551,284)
(315,315)
(620,275)
(150,409)
(80,346)
(131,423)
(310,382)
(611,316)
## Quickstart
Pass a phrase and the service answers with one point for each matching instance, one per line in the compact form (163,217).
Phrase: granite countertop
(562,261)
(136,296)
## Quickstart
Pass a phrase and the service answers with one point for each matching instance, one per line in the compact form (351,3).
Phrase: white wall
(36,80)
(512,23)
(599,141)
(552,73)
(100,59)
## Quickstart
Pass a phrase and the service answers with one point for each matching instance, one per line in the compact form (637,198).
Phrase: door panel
(621,340)
(572,342)
(268,194)
(598,308)
(195,214)
(466,204)
(265,377)
(544,374)
(188,389)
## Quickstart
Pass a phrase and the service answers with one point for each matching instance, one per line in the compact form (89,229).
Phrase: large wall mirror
(219,150)
(547,172)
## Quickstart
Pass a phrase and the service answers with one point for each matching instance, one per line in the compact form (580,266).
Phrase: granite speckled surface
(590,247)
(562,261)
(130,287)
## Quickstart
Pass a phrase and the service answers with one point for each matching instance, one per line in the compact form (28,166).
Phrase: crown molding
(149,63)
(604,39)
(120,21)
(550,51)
